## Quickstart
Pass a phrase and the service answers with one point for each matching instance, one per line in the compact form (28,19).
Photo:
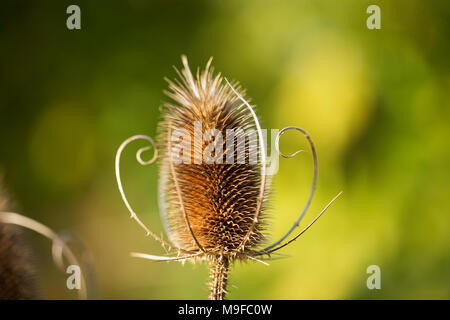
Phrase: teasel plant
(212,211)
(18,275)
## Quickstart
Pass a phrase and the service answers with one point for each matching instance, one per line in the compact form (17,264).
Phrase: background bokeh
(375,101)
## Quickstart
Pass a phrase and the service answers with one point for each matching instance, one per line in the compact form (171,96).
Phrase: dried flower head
(18,278)
(212,193)
(17,267)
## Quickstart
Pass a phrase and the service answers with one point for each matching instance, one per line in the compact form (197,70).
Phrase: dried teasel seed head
(210,205)
(18,279)
(213,185)
(17,265)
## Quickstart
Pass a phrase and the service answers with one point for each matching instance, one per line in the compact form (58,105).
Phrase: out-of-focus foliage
(375,101)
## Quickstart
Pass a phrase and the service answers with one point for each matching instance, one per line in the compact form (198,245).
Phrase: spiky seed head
(209,205)
(17,267)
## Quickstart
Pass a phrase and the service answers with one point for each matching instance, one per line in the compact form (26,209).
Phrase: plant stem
(219,278)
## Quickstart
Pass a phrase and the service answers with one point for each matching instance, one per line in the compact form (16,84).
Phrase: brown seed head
(209,206)
(17,265)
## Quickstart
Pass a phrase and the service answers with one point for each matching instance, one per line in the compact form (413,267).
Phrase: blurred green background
(375,101)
